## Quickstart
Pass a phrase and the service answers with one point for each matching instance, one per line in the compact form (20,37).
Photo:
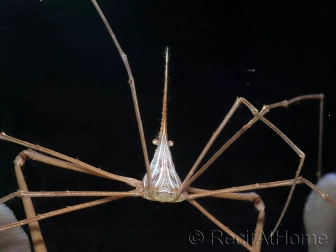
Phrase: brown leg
(257,186)
(34,227)
(191,177)
(62,211)
(258,204)
(257,116)
(222,226)
(131,82)
(8,197)
(71,163)
(289,182)
(30,194)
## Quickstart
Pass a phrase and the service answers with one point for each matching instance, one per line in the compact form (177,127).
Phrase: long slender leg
(222,226)
(62,211)
(20,159)
(257,186)
(230,193)
(30,194)
(258,204)
(267,108)
(73,164)
(35,231)
(131,82)
(34,227)
(289,182)
(8,197)
(191,177)
(75,167)
(257,116)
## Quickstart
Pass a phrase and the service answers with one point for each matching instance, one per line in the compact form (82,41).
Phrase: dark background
(64,86)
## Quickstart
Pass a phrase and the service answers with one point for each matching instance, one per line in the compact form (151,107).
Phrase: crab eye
(170,143)
(155,141)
